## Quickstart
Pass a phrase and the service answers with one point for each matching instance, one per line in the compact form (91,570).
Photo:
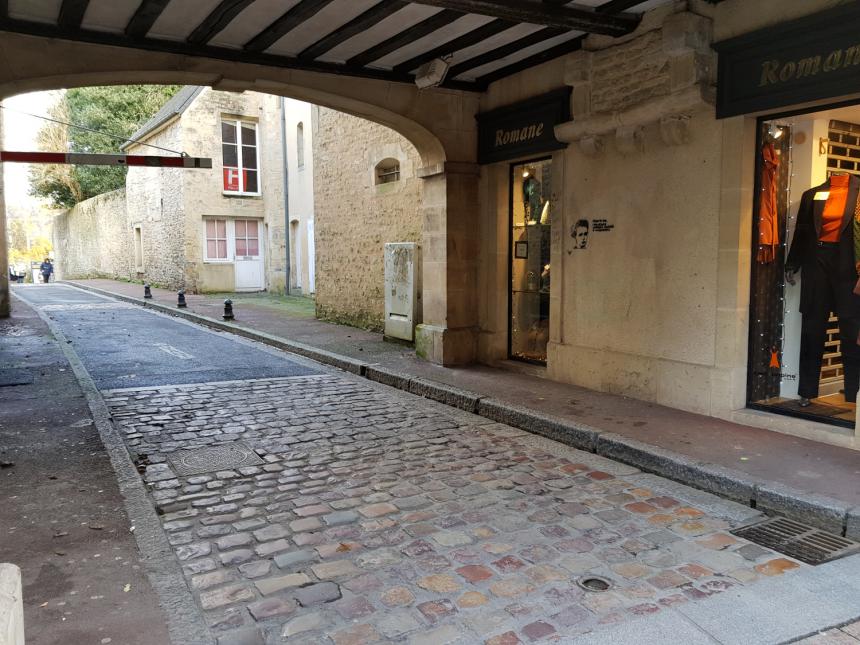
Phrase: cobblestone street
(377,516)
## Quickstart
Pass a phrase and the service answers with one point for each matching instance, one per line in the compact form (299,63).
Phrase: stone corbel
(630,139)
(591,146)
(675,129)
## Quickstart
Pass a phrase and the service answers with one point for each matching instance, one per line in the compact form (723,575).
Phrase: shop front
(800,81)
(517,145)
(686,236)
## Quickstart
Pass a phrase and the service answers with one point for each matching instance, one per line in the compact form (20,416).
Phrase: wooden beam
(72,13)
(44,30)
(505,50)
(285,24)
(423,28)
(145,16)
(527,41)
(549,15)
(357,25)
(219,18)
(572,45)
(466,40)
(616,6)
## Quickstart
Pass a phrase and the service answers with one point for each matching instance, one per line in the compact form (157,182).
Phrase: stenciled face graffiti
(579,233)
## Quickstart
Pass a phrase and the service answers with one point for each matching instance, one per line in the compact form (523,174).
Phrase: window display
(805,298)
(531,215)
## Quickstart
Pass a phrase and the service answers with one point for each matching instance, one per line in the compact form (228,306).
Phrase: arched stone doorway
(439,123)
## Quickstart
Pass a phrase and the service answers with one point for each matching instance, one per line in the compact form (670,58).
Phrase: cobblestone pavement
(377,516)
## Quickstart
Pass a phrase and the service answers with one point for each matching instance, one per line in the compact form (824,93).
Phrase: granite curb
(11,605)
(821,511)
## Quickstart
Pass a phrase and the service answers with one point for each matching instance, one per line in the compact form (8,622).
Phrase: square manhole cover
(207,460)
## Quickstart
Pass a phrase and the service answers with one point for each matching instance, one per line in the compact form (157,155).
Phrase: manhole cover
(15,376)
(207,460)
(594,583)
(799,541)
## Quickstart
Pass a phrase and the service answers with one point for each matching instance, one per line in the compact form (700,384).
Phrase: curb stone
(817,510)
(11,605)
(820,511)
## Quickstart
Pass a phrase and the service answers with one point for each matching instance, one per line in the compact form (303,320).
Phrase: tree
(117,110)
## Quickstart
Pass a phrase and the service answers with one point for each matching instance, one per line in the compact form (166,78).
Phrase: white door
(311,257)
(248,255)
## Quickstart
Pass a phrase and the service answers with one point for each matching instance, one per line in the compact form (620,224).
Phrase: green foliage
(116,110)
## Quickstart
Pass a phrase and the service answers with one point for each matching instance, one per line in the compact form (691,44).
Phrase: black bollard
(147,293)
(228,309)
(181,299)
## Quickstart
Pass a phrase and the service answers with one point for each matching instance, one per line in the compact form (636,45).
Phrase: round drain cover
(594,583)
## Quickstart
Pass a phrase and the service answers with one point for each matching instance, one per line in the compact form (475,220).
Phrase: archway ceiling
(483,40)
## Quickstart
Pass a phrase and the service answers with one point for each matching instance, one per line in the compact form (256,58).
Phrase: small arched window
(387,171)
(300,144)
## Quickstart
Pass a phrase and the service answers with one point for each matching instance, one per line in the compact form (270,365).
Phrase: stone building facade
(173,220)
(366,193)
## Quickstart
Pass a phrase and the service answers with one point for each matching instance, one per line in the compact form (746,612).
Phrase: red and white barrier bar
(85,159)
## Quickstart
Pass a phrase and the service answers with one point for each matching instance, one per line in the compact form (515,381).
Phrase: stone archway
(438,122)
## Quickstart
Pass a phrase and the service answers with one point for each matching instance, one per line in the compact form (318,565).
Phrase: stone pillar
(449,332)
(4,243)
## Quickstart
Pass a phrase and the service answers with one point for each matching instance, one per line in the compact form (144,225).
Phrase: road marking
(173,351)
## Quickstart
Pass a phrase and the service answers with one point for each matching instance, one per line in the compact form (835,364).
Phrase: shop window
(216,239)
(531,220)
(240,157)
(805,315)
(300,145)
(387,171)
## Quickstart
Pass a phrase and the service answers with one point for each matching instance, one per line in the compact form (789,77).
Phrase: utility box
(402,290)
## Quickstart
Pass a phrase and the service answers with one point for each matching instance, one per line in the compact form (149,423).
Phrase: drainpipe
(286,192)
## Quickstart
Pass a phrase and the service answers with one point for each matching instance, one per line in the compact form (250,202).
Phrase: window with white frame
(216,239)
(240,157)
(247,238)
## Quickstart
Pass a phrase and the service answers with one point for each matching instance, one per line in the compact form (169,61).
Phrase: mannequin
(531,195)
(823,251)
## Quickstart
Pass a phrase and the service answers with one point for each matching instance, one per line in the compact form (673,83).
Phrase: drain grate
(799,541)
(207,460)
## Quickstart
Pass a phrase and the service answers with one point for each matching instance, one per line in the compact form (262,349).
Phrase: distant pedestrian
(47,269)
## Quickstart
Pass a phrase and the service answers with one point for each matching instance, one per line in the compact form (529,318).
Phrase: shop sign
(523,128)
(810,59)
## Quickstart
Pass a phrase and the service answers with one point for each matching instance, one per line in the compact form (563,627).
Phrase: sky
(19,134)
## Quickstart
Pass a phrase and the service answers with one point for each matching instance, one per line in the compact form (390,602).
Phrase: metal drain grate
(798,541)
(207,460)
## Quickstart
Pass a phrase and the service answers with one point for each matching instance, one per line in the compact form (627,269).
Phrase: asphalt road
(124,346)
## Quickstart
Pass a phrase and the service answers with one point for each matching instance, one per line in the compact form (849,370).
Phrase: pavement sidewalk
(62,517)
(811,481)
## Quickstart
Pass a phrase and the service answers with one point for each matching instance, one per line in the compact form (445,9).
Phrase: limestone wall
(93,239)
(355,217)
(155,204)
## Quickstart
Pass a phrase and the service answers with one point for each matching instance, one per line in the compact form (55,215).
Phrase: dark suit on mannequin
(828,275)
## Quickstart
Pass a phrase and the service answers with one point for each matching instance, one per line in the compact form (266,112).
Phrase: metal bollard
(228,309)
(147,293)
(181,299)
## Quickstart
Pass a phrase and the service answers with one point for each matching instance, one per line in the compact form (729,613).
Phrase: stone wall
(355,217)
(93,239)
(155,204)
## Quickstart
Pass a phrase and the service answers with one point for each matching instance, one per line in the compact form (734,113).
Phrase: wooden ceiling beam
(410,35)
(505,50)
(361,23)
(298,14)
(145,16)
(72,13)
(466,40)
(217,20)
(570,17)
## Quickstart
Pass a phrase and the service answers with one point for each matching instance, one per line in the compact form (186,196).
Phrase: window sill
(225,193)
(217,261)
